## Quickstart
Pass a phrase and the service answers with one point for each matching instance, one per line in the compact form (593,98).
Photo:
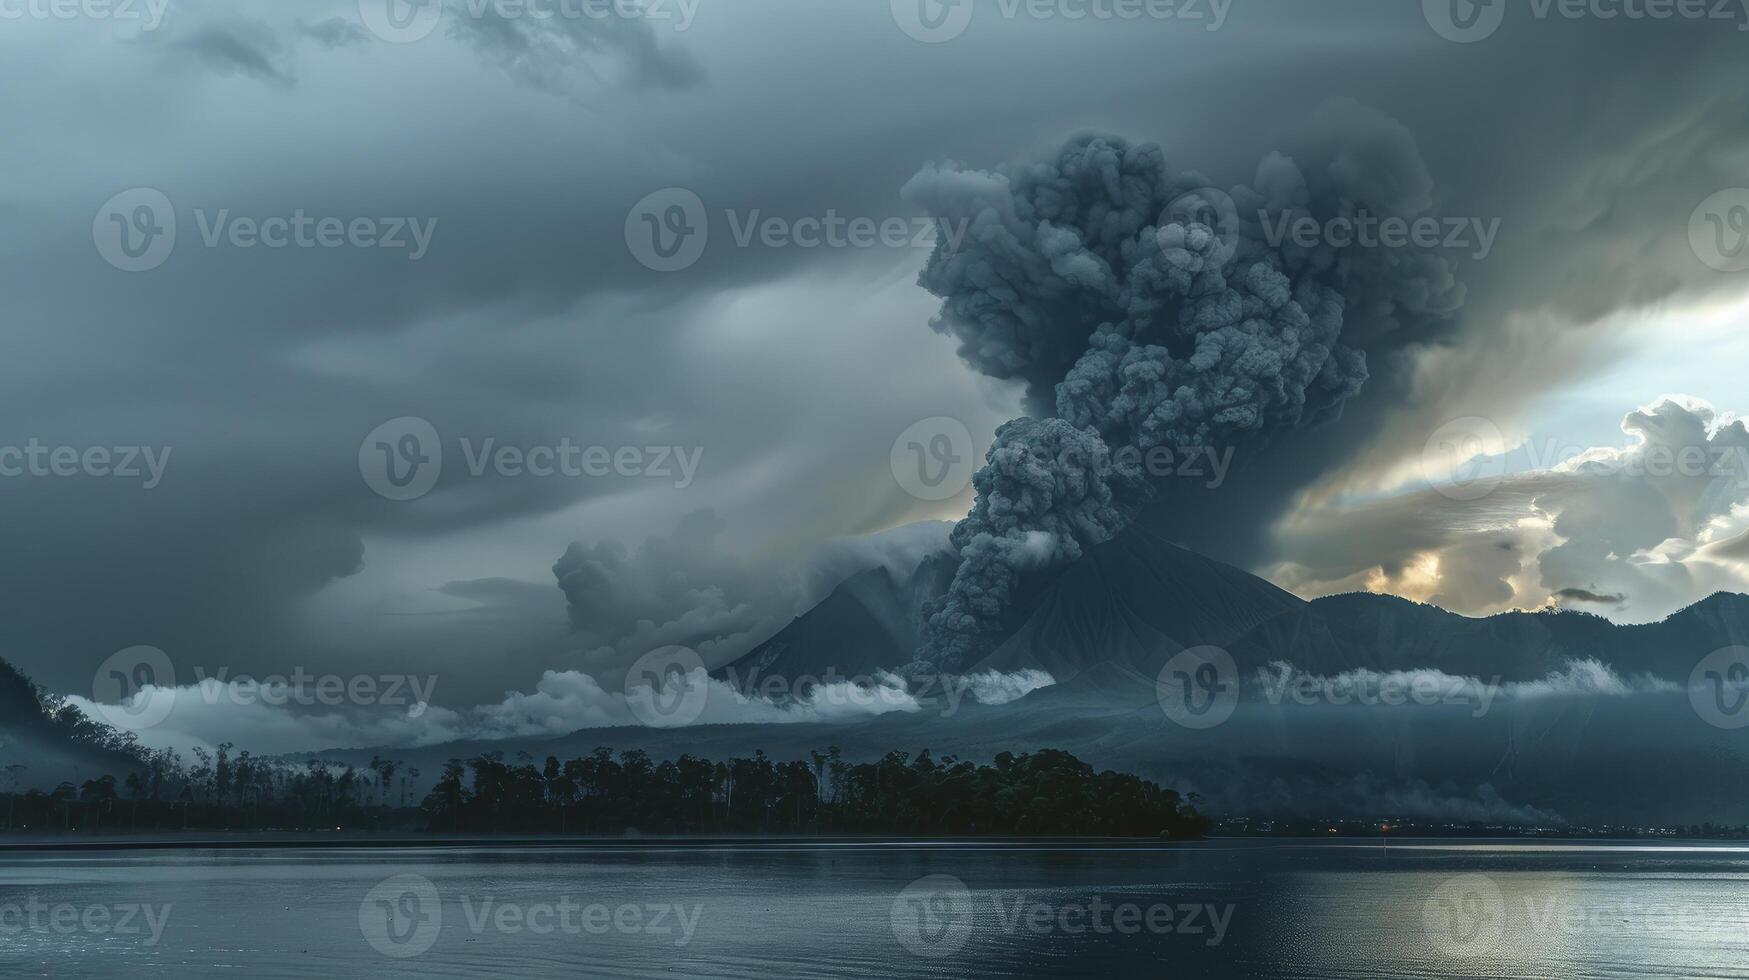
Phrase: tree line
(1046,793)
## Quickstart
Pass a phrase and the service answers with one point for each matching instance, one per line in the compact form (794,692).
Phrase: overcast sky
(488,271)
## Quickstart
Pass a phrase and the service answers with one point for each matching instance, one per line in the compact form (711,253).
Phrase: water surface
(1215,909)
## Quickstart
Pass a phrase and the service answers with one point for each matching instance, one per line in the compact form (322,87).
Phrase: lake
(883,909)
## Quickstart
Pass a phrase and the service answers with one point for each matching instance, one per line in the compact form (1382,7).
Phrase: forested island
(1046,793)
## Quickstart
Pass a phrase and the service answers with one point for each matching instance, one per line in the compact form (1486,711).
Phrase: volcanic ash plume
(1144,309)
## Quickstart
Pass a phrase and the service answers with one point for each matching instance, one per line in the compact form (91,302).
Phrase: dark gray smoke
(1144,310)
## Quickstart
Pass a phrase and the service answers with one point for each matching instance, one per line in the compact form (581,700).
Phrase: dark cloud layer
(530,321)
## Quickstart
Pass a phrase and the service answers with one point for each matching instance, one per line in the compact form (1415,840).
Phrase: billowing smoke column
(1145,309)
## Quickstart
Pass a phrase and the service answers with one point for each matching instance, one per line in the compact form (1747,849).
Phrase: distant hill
(1112,618)
(54,741)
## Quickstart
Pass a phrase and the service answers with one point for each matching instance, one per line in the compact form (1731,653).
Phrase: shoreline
(318,841)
